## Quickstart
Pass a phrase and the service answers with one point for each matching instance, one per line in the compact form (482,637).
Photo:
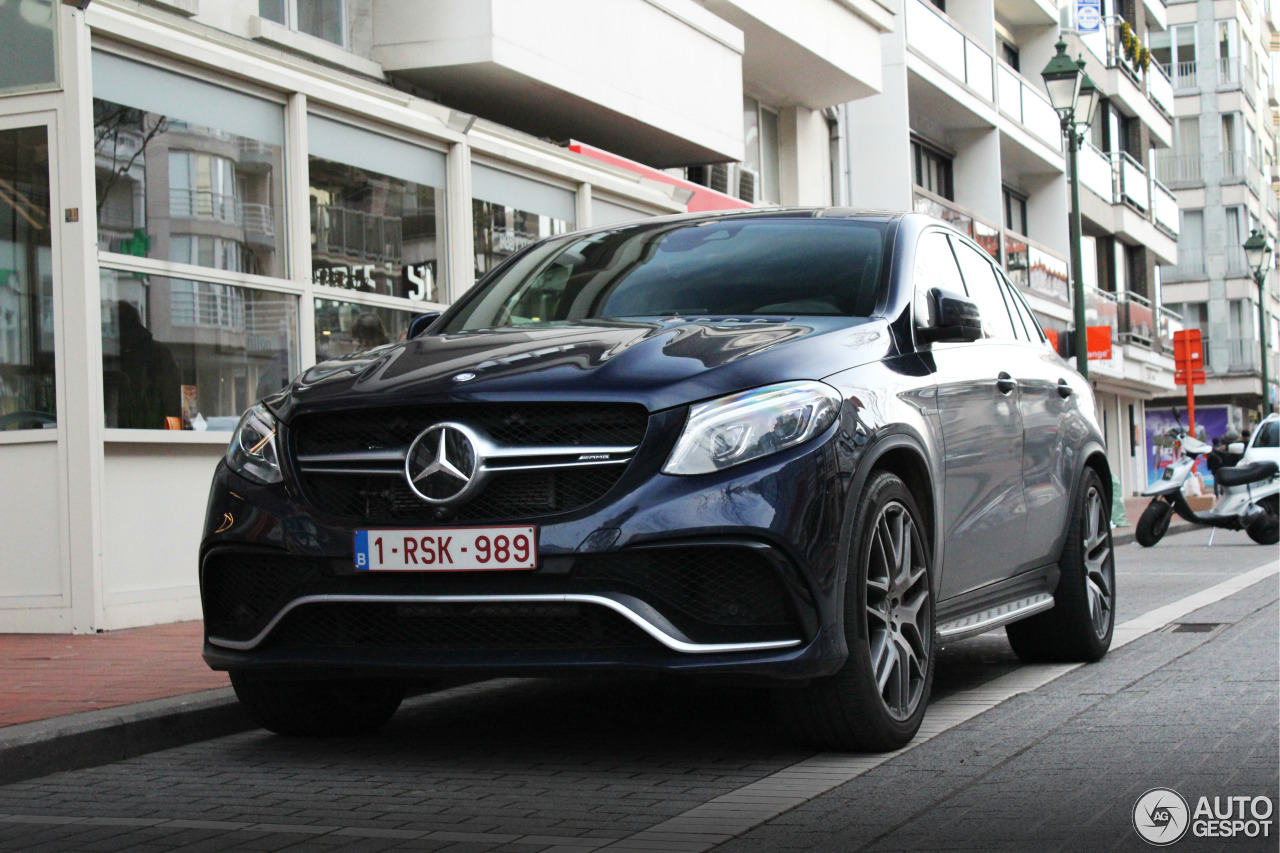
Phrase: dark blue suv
(798,447)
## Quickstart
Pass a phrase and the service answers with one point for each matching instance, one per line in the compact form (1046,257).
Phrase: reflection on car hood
(660,363)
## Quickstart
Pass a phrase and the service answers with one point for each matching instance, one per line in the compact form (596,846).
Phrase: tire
(1079,626)
(1266,530)
(328,708)
(877,700)
(1154,523)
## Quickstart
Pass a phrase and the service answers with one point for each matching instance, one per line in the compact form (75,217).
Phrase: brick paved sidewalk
(49,675)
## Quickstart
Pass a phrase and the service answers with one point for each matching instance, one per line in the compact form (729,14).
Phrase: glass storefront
(27,399)
(187,171)
(377,212)
(28,45)
(182,354)
(510,211)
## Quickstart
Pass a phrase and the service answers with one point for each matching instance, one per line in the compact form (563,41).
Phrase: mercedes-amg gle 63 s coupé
(801,448)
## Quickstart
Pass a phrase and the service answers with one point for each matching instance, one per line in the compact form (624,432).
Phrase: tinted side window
(1269,435)
(984,289)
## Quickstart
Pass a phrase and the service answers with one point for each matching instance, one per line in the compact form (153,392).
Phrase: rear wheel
(877,700)
(1265,530)
(318,708)
(1079,626)
(1154,523)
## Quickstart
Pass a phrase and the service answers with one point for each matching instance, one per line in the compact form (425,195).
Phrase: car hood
(659,363)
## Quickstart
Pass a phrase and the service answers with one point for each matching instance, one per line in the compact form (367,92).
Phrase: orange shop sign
(1098,339)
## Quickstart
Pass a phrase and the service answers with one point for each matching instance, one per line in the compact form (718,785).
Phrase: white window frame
(291,21)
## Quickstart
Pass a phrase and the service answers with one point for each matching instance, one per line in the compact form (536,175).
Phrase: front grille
(378,498)
(711,593)
(458,627)
(240,592)
(516,424)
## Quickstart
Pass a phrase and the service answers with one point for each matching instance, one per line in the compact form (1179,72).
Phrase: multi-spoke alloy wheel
(877,700)
(898,611)
(1080,624)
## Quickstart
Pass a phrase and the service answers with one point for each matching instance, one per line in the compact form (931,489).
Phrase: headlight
(252,451)
(752,424)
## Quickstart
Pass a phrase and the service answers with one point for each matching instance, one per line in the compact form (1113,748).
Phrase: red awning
(703,197)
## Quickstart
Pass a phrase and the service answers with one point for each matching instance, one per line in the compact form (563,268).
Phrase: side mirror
(420,323)
(1236,447)
(952,317)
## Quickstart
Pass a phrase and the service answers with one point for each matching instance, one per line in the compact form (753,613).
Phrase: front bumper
(733,572)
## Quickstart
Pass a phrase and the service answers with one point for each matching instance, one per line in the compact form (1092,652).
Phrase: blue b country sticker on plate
(362,550)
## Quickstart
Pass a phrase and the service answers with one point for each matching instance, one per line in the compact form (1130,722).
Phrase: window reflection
(502,231)
(347,327)
(374,233)
(180,354)
(178,191)
(27,399)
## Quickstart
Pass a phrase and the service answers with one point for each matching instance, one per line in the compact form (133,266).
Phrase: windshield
(735,267)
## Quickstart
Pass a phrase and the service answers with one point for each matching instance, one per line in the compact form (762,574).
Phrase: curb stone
(90,738)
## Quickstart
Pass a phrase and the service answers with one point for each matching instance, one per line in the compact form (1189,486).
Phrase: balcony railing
(1119,178)
(1190,266)
(1228,72)
(1137,320)
(1159,88)
(1183,75)
(1035,268)
(354,234)
(1101,309)
(984,233)
(1237,262)
(1025,104)
(1243,355)
(1178,169)
(204,204)
(935,37)
(258,222)
(1169,322)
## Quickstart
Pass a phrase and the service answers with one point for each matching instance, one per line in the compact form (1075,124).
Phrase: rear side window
(935,265)
(1268,435)
(1023,313)
(984,289)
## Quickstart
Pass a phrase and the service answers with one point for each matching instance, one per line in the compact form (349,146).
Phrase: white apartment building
(1223,170)
(199,198)
(964,130)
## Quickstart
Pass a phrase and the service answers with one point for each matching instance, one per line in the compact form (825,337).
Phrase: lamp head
(1258,251)
(1062,81)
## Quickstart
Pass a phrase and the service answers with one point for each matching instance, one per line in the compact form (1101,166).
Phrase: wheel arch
(1095,458)
(903,454)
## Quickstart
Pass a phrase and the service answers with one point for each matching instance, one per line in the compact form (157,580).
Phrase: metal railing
(1134,185)
(1190,266)
(257,220)
(1233,165)
(1183,75)
(1243,355)
(1168,322)
(198,303)
(1119,178)
(1137,320)
(1178,169)
(1159,88)
(933,36)
(1228,72)
(204,204)
(1101,309)
(1237,261)
(1035,268)
(1164,208)
(355,234)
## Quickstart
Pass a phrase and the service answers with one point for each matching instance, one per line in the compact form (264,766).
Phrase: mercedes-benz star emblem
(442,463)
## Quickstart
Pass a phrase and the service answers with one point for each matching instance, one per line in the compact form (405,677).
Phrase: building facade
(200,198)
(1223,170)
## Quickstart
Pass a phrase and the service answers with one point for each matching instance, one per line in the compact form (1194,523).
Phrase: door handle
(1064,390)
(1006,383)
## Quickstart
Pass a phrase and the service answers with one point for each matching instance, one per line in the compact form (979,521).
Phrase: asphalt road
(1014,757)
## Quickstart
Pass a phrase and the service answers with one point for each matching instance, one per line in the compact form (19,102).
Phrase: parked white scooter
(1250,501)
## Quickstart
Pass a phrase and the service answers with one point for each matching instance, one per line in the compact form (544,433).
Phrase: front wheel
(1265,530)
(1079,626)
(315,708)
(1154,523)
(877,700)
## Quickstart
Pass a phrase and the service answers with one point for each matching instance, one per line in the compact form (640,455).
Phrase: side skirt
(997,604)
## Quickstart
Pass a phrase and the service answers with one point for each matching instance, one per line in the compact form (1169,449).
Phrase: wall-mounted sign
(1088,16)
(1098,340)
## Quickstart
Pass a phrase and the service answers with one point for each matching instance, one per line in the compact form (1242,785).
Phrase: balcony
(1102,309)
(259,224)
(933,36)
(1122,80)
(1026,105)
(1183,76)
(1159,88)
(1119,179)
(1168,323)
(352,234)
(1190,266)
(984,233)
(204,204)
(1138,323)
(1035,268)
(1179,170)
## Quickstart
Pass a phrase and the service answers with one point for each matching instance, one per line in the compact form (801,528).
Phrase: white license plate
(447,549)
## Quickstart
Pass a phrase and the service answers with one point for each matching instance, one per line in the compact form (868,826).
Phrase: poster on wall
(1211,422)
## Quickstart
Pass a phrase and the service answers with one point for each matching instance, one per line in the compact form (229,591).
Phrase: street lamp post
(1258,251)
(1073,95)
